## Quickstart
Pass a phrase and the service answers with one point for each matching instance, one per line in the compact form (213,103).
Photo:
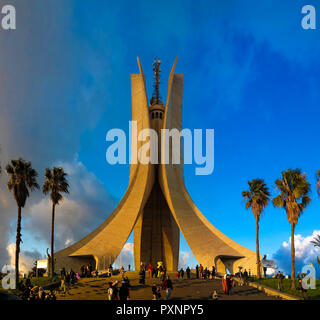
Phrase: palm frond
(55,183)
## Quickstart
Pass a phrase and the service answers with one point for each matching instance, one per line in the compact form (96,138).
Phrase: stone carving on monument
(156,205)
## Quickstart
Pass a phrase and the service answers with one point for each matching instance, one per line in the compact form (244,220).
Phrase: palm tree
(22,179)
(318,182)
(257,198)
(316,240)
(55,183)
(316,243)
(294,189)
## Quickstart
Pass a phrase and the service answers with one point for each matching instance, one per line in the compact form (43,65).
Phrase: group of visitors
(31,292)
(154,272)
(243,277)
(205,272)
(228,283)
(122,293)
(86,270)
(68,279)
(166,285)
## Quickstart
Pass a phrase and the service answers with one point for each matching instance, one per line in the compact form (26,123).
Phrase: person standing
(150,270)
(245,277)
(213,272)
(167,285)
(279,277)
(82,271)
(303,291)
(110,291)
(182,273)
(142,276)
(201,270)
(129,267)
(63,273)
(155,292)
(224,284)
(188,272)
(124,291)
(197,271)
(63,283)
(67,282)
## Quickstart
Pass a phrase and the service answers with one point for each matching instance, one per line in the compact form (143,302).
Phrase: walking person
(279,277)
(167,285)
(197,271)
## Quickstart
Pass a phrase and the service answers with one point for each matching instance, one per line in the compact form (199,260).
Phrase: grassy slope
(273,283)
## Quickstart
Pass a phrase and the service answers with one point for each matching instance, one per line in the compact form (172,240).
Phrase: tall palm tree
(257,198)
(22,179)
(316,240)
(294,189)
(55,183)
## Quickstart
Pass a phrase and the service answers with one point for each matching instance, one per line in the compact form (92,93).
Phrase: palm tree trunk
(52,240)
(18,240)
(293,269)
(257,249)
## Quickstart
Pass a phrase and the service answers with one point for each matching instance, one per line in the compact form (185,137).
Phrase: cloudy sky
(251,73)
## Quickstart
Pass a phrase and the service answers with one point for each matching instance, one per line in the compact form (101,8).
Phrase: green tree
(294,190)
(257,198)
(22,179)
(318,182)
(316,243)
(55,183)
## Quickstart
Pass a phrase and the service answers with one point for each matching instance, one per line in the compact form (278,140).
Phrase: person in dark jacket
(188,272)
(124,291)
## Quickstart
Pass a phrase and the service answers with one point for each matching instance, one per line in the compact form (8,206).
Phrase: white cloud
(305,253)
(26,258)
(184,259)
(87,205)
(125,257)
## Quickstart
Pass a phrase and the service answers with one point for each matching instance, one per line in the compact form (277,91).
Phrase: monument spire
(156,98)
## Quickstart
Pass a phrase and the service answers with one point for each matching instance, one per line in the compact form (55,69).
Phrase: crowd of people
(120,290)
(205,273)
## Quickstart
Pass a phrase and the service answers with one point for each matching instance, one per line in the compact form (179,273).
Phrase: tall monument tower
(156,205)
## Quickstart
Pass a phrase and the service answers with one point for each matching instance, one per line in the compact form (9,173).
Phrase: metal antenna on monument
(156,98)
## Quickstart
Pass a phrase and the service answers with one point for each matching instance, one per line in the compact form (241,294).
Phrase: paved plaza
(194,289)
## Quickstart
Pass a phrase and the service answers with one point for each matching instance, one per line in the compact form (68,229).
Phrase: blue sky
(250,72)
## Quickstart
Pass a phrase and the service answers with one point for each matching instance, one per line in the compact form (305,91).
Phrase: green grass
(41,281)
(313,294)
(35,281)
